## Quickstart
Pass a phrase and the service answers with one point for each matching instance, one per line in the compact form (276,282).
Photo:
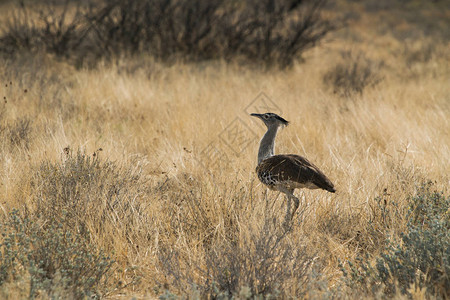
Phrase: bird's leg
(289,195)
(288,208)
(296,204)
(287,218)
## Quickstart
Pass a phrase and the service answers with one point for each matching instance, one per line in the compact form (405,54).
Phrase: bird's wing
(295,168)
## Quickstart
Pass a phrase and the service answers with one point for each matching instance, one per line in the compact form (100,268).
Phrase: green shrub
(419,259)
(55,262)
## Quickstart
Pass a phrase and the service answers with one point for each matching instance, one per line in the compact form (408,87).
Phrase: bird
(286,172)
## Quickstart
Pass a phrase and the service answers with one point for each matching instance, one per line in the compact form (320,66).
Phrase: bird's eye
(265,117)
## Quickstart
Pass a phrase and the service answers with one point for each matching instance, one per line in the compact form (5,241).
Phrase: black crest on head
(270,116)
(285,122)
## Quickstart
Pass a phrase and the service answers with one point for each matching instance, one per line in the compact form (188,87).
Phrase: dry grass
(156,121)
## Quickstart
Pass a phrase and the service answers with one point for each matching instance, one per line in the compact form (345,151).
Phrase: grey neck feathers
(267,145)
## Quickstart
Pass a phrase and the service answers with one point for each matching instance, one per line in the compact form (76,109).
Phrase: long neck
(267,145)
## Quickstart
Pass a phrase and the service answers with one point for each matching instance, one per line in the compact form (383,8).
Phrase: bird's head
(271,119)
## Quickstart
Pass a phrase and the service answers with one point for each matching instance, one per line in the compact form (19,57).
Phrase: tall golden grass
(158,120)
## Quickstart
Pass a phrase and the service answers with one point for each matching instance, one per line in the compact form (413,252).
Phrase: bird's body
(286,172)
(292,171)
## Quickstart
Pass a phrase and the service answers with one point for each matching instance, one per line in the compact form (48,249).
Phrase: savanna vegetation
(128,154)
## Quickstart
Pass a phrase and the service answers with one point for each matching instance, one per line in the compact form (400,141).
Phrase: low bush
(419,259)
(243,262)
(17,133)
(46,260)
(84,193)
(354,74)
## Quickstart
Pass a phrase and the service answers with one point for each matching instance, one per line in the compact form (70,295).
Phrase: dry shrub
(418,54)
(99,201)
(354,74)
(233,256)
(89,196)
(51,26)
(264,261)
(46,260)
(19,33)
(265,32)
(17,133)
(417,259)
(424,18)
(163,28)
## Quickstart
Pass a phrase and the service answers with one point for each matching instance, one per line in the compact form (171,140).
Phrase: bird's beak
(256,115)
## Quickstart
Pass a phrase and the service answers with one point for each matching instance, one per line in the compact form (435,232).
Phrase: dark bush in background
(56,27)
(276,32)
(268,32)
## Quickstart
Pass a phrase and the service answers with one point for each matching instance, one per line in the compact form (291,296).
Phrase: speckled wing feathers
(293,171)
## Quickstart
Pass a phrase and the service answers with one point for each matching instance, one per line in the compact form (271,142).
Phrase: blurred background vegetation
(262,32)
(108,105)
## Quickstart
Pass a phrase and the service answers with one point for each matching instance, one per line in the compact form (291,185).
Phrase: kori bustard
(286,172)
